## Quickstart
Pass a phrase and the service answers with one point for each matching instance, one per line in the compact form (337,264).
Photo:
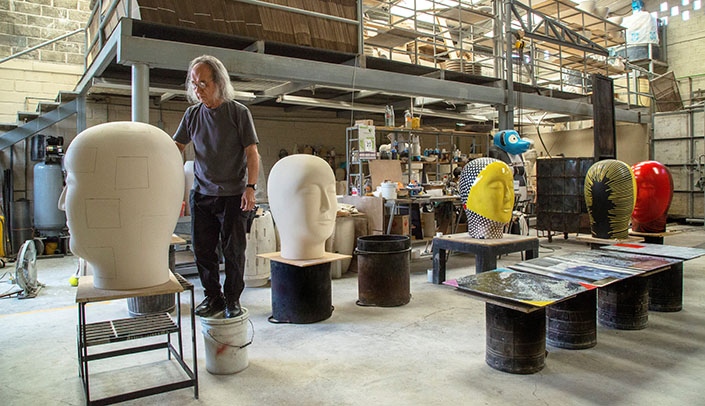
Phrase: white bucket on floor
(226,343)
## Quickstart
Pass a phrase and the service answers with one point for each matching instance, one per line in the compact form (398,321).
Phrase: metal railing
(43,44)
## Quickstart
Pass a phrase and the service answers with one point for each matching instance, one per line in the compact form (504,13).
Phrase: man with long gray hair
(226,165)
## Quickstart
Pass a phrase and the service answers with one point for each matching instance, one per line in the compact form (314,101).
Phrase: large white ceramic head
(301,191)
(124,187)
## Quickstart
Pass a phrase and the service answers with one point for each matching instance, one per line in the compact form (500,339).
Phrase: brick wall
(40,74)
(686,55)
(24,24)
(25,82)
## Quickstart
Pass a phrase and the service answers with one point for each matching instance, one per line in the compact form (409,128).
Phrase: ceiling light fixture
(116,84)
(341,105)
(329,104)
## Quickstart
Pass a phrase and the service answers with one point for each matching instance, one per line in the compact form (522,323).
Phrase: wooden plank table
(485,250)
(596,243)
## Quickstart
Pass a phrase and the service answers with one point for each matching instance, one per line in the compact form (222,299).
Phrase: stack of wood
(248,20)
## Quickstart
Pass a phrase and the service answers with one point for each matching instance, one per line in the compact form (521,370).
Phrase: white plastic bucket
(226,343)
(389,190)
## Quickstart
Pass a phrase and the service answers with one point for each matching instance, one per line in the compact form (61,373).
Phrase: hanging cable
(538,132)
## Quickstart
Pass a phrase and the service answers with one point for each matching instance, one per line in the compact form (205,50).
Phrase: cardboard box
(428,225)
(400,224)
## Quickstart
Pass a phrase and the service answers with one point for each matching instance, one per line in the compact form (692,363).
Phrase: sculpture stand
(596,243)
(515,340)
(301,289)
(652,238)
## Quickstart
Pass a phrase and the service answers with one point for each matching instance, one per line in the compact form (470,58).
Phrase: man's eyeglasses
(200,84)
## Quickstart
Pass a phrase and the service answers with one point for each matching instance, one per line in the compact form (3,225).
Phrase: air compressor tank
(49,221)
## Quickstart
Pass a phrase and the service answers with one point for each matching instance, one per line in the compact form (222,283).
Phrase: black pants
(214,218)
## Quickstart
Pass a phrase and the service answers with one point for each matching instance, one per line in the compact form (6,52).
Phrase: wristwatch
(252,185)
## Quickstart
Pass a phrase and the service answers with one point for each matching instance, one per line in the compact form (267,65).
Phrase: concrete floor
(428,352)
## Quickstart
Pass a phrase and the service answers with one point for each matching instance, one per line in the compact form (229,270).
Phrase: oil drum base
(666,290)
(300,295)
(572,324)
(516,341)
(624,305)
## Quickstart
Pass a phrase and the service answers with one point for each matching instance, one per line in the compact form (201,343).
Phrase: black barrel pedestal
(383,270)
(300,295)
(624,305)
(572,323)
(666,289)
(516,341)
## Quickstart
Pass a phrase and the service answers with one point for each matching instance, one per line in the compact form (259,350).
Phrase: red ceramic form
(654,193)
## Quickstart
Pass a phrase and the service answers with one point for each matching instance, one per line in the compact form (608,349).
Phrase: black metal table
(485,250)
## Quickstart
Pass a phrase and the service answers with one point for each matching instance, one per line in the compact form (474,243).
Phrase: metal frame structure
(294,77)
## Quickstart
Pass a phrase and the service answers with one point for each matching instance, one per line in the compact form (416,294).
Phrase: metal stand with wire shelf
(135,328)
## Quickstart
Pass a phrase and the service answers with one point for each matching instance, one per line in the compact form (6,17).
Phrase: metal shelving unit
(679,143)
(357,166)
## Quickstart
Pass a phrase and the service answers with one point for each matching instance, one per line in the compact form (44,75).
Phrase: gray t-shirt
(219,139)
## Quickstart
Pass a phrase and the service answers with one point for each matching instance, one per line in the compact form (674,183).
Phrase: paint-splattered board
(588,275)
(622,261)
(658,250)
(596,268)
(521,291)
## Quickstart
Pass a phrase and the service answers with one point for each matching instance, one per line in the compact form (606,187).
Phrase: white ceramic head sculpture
(302,198)
(124,187)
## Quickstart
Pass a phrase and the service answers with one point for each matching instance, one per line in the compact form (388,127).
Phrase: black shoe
(210,306)
(232,308)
